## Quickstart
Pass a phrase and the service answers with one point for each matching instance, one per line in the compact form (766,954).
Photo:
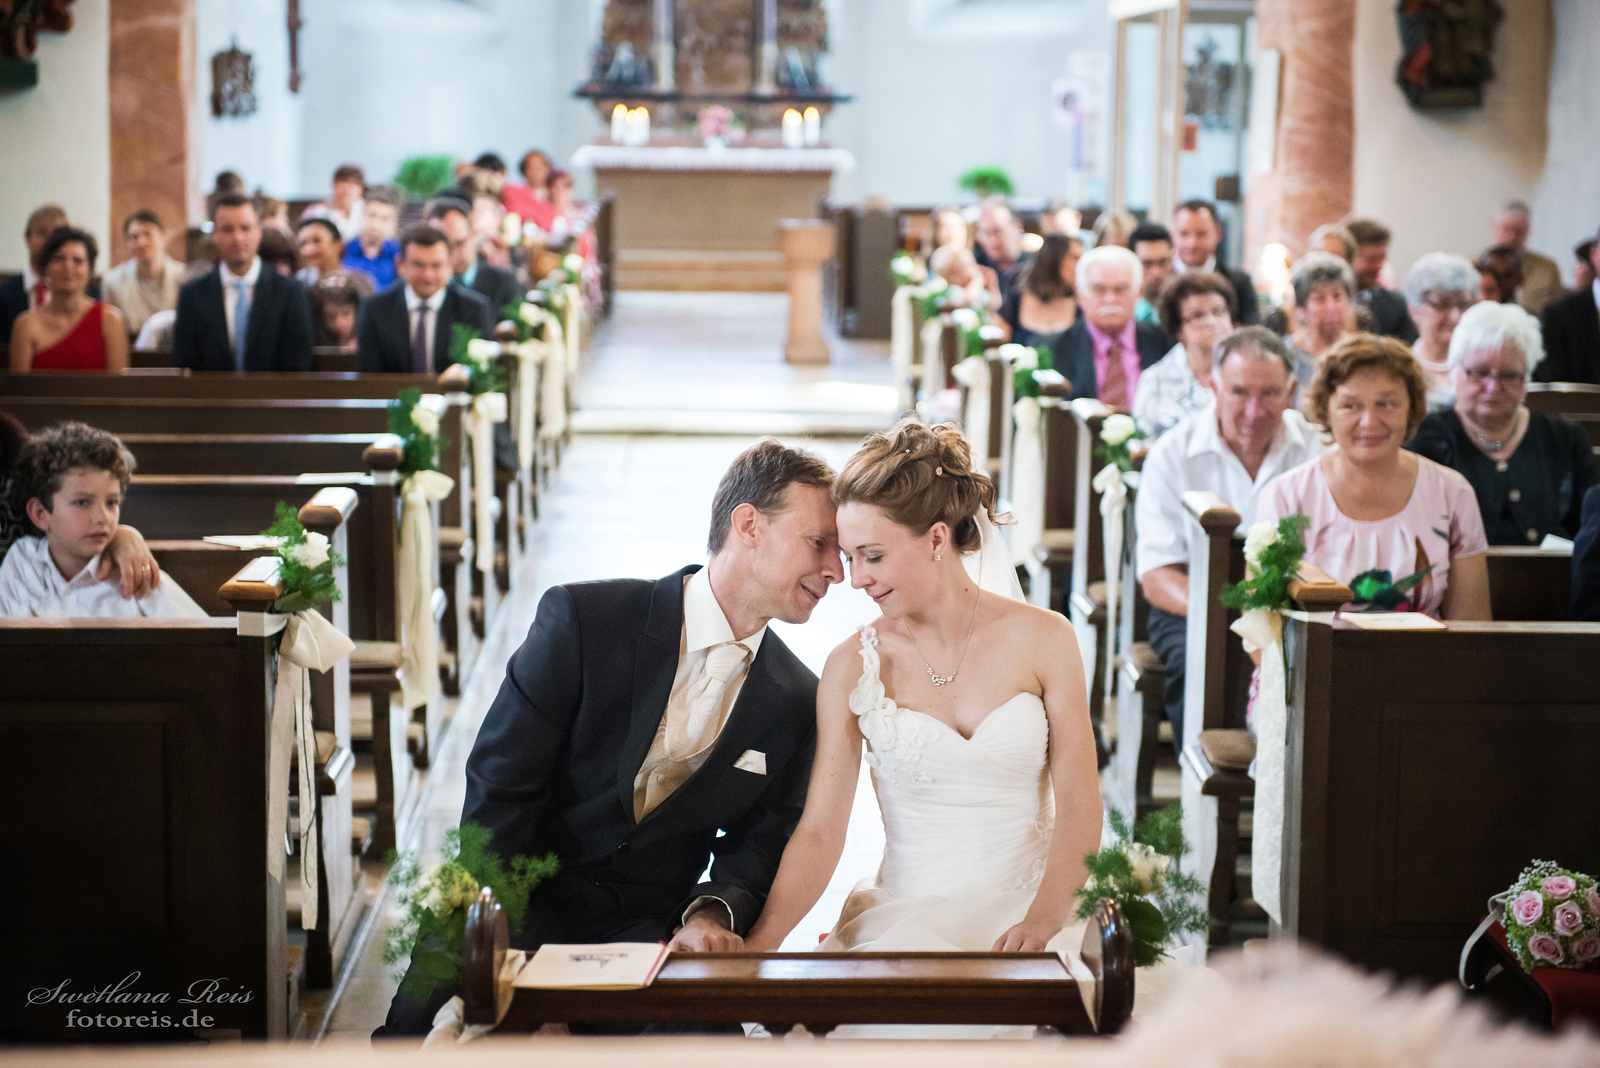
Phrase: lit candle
(641,126)
(619,123)
(793,134)
(813,126)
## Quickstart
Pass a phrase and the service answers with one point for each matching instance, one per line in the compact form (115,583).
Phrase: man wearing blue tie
(241,316)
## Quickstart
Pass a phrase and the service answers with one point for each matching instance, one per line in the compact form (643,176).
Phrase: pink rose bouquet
(1552,917)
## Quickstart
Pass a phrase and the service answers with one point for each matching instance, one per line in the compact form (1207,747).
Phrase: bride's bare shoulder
(1025,621)
(844,662)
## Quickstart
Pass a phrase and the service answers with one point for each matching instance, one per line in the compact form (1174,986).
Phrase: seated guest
(241,316)
(1529,469)
(1388,308)
(1114,228)
(1583,269)
(491,172)
(970,285)
(497,286)
(1572,333)
(1247,437)
(531,202)
(148,281)
(1152,243)
(277,251)
(1102,353)
(1324,291)
(29,290)
(322,256)
(1586,561)
(999,244)
(1059,217)
(335,301)
(71,479)
(1439,289)
(1197,309)
(374,250)
(1197,233)
(488,219)
(1538,278)
(1044,304)
(1335,240)
(227,184)
(71,331)
(946,226)
(1407,528)
(1501,272)
(274,214)
(406,329)
(344,207)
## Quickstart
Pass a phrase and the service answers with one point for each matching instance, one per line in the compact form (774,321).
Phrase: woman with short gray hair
(1529,469)
(1439,288)
(1324,296)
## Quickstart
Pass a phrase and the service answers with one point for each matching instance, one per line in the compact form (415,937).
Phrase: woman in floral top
(1404,533)
(1195,309)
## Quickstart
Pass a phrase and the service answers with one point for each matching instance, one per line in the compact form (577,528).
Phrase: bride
(973,708)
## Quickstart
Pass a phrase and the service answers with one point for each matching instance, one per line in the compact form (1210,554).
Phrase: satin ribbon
(1113,486)
(487,409)
(572,314)
(1262,628)
(310,643)
(973,372)
(553,390)
(932,358)
(1027,486)
(903,344)
(530,354)
(419,633)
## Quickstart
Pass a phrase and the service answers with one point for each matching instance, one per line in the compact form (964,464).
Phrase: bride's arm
(1075,780)
(814,848)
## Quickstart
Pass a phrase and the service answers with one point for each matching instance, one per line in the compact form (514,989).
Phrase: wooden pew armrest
(1314,590)
(329,509)
(255,586)
(1217,782)
(384,454)
(1211,511)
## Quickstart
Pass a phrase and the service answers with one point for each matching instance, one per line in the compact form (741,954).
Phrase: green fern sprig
(303,587)
(1154,913)
(1267,586)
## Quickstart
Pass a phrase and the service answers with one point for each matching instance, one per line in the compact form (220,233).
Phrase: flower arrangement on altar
(418,429)
(435,903)
(1552,917)
(1140,873)
(306,564)
(481,358)
(717,125)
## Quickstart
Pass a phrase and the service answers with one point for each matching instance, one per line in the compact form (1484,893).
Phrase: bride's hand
(1025,937)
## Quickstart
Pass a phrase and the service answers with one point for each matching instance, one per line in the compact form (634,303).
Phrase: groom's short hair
(759,476)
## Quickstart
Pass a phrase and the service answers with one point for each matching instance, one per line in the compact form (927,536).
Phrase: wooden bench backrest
(1088,557)
(1577,401)
(1217,669)
(1530,583)
(264,385)
(1059,439)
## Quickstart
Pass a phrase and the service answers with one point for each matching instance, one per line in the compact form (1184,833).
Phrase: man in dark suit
(496,285)
(1196,235)
(406,329)
(1572,335)
(242,315)
(1102,353)
(1586,561)
(646,728)
(1389,313)
(27,291)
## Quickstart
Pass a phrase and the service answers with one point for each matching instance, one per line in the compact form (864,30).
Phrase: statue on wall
(1445,50)
(233,91)
(21,21)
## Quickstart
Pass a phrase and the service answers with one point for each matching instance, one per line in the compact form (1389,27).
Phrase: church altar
(681,198)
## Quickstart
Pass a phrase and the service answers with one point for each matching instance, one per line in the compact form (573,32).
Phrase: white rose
(573,262)
(965,318)
(1021,357)
(1117,429)
(1149,867)
(937,285)
(1261,535)
(902,266)
(531,313)
(425,421)
(313,552)
(481,350)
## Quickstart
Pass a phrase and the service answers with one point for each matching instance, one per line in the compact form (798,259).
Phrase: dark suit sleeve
(482,317)
(1586,562)
(747,856)
(186,331)
(1556,346)
(1585,472)
(525,730)
(1245,290)
(368,358)
(295,351)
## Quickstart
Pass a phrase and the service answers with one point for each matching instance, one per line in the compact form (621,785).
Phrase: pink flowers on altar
(1552,917)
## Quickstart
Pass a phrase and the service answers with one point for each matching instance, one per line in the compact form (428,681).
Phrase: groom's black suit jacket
(553,767)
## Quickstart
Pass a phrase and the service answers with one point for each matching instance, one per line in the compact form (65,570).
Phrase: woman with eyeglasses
(1196,308)
(1439,288)
(1529,469)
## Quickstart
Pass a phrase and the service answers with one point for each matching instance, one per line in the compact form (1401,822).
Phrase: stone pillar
(767,58)
(806,245)
(662,50)
(151,87)
(1313,176)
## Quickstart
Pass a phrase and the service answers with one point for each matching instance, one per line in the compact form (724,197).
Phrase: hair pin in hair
(938,470)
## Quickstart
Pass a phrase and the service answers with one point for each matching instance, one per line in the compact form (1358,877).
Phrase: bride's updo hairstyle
(919,475)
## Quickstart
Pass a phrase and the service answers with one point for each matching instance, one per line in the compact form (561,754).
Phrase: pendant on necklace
(939,680)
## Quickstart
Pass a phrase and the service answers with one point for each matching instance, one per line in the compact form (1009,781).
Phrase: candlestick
(793,129)
(813,126)
(619,123)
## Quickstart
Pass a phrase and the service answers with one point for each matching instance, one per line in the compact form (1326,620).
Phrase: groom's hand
(704,932)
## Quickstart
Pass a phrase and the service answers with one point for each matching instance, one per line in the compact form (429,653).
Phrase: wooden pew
(1577,401)
(1529,583)
(138,798)
(823,990)
(1086,599)
(1141,684)
(1425,769)
(1049,563)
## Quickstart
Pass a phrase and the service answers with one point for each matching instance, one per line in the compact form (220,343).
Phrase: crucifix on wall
(294,46)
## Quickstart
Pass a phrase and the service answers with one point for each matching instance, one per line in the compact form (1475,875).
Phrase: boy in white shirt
(72,478)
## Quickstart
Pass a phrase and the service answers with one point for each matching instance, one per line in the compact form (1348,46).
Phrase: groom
(645,728)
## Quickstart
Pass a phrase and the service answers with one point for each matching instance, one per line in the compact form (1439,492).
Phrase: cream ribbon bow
(553,388)
(973,373)
(310,643)
(487,409)
(1113,486)
(1027,488)
(530,354)
(572,325)
(1262,628)
(902,344)
(419,634)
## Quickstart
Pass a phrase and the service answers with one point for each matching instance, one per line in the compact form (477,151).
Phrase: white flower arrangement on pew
(1140,873)
(481,358)
(1118,432)
(418,429)
(306,564)
(1552,917)
(905,270)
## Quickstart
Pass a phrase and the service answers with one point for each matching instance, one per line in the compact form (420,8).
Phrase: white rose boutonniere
(313,552)
(425,421)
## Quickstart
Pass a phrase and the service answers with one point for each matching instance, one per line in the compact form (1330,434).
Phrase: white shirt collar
(30,278)
(1594,287)
(249,278)
(1207,436)
(1183,268)
(704,622)
(434,303)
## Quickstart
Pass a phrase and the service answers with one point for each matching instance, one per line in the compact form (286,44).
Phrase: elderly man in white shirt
(1234,448)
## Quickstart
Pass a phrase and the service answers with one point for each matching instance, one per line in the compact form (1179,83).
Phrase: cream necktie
(683,737)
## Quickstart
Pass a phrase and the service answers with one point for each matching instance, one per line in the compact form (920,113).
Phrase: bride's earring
(938,556)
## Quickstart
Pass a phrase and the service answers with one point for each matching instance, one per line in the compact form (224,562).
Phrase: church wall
(1567,207)
(264,147)
(55,139)
(1437,178)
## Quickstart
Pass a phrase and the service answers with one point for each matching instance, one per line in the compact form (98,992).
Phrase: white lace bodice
(959,815)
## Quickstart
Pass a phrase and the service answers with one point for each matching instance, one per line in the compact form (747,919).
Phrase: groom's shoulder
(784,666)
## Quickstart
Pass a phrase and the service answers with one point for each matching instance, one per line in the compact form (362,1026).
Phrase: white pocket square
(753,760)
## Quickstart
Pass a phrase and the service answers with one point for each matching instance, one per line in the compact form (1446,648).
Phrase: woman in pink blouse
(1403,532)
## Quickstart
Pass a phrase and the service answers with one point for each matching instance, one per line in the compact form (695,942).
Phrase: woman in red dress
(71,331)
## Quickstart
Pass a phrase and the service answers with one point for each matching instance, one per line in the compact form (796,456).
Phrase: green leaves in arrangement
(418,428)
(1140,873)
(306,564)
(481,358)
(431,935)
(1023,383)
(1272,559)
